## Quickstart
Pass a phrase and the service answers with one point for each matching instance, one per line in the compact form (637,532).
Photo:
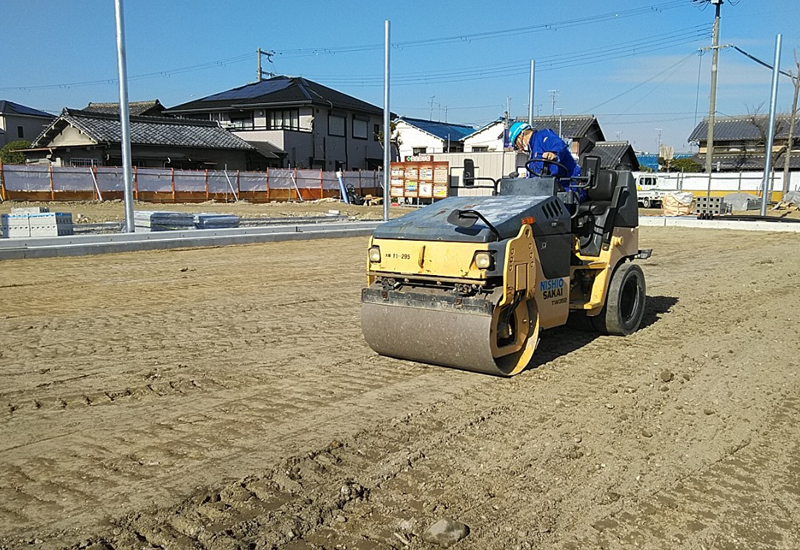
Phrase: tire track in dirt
(535,460)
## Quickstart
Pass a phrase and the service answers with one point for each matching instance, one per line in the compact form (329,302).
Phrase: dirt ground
(97,212)
(224,398)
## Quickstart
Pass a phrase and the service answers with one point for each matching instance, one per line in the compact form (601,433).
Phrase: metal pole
(530,95)
(771,134)
(712,109)
(124,117)
(387,130)
(259,73)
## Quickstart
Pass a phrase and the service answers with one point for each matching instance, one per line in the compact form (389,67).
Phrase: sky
(635,64)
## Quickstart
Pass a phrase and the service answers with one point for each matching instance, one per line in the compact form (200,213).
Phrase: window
(336,125)
(243,121)
(83,162)
(360,128)
(288,119)
(376,132)
(20,132)
(480,149)
(419,151)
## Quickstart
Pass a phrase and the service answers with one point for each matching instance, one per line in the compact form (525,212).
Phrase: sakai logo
(552,288)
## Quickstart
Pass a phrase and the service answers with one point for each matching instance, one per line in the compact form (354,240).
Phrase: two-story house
(303,123)
(21,122)
(740,143)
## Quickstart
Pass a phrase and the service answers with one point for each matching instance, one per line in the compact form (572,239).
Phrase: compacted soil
(224,398)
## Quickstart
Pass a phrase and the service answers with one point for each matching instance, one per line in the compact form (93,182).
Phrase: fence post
(96,186)
(52,185)
(267,175)
(321,184)
(238,186)
(297,185)
(172,183)
(2,182)
(136,183)
(206,183)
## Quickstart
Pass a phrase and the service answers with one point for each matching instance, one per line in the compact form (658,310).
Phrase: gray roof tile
(105,128)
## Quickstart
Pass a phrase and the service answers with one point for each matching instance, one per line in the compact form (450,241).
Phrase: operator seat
(611,202)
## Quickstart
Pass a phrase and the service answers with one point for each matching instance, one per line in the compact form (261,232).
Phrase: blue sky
(632,63)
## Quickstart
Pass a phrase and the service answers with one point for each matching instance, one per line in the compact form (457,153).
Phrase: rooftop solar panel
(252,90)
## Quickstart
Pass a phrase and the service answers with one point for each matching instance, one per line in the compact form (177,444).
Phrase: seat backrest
(603,188)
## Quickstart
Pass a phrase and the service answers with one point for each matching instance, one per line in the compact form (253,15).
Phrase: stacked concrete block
(153,220)
(709,206)
(35,222)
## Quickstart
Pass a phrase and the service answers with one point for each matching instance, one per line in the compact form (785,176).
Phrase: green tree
(685,165)
(10,153)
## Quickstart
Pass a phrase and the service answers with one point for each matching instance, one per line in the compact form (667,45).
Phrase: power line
(502,33)
(684,60)
(157,74)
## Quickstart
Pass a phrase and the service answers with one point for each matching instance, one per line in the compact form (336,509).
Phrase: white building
(426,137)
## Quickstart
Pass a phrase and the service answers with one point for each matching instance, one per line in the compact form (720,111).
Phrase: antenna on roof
(260,73)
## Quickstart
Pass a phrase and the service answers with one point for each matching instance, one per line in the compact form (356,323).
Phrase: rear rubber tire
(646,203)
(625,302)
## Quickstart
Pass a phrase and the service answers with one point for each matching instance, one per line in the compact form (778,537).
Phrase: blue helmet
(515,130)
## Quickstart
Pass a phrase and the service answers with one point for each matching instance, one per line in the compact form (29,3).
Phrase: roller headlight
(375,254)
(484,259)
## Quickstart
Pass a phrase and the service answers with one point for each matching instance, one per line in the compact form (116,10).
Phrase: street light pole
(124,117)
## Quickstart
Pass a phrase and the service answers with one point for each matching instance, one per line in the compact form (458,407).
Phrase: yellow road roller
(468,282)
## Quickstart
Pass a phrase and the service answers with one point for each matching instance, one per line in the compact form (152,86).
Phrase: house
(424,137)
(82,138)
(740,142)
(614,155)
(303,123)
(580,131)
(152,107)
(21,122)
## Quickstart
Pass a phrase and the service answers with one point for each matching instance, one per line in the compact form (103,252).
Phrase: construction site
(225,397)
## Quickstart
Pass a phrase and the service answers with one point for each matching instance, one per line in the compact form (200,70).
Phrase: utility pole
(553,94)
(776,69)
(530,95)
(658,149)
(431,115)
(259,73)
(712,109)
(560,122)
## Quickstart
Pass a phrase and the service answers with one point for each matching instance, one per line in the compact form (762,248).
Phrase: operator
(545,144)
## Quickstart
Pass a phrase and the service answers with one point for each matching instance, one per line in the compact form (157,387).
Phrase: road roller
(470,281)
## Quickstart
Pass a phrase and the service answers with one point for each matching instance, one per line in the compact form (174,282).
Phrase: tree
(686,165)
(10,153)
(792,119)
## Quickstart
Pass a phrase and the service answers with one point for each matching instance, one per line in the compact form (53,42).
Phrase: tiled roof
(280,91)
(442,130)
(742,128)
(612,153)
(572,126)
(104,128)
(739,162)
(11,108)
(136,108)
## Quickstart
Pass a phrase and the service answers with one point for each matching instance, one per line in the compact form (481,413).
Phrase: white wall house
(427,137)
